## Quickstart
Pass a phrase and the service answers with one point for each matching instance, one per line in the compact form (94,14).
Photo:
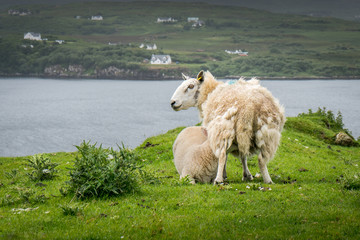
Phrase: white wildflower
(248,187)
(257,175)
(46,171)
(47,212)
(269,189)
(300,187)
(296,140)
(110,157)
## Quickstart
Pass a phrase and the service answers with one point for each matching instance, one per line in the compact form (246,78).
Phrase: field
(279,45)
(315,195)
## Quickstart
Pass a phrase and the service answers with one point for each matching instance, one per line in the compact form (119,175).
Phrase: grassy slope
(306,201)
(279,45)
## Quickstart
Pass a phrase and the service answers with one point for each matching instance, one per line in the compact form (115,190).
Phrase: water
(46,115)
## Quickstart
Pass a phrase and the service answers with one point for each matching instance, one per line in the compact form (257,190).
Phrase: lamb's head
(186,95)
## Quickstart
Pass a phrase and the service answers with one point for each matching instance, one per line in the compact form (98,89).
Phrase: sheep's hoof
(218,181)
(247,178)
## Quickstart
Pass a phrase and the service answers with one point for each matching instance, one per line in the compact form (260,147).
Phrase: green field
(279,45)
(315,195)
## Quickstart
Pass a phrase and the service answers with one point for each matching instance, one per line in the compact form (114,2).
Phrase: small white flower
(261,188)
(296,139)
(248,187)
(47,212)
(269,189)
(110,157)
(306,147)
(122,237)
(355,176)
(356,165)
(257,175)
(299,187)
(25,169)
(46,171)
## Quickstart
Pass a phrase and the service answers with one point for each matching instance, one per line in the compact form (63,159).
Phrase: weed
(12,174)
(100,172)
(351,181)
(72,209)
(44,169)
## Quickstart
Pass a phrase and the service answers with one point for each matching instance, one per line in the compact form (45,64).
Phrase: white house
(151,47)
(160,59)
(97,18)
(32,36)
(60,41)
(167,19)
(239,52)
(193,19)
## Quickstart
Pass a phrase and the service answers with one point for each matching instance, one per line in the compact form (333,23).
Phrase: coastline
(161,77)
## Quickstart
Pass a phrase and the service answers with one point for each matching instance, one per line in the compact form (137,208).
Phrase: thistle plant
(44,169)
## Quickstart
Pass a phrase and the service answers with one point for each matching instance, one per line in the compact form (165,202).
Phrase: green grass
(278,44)
(311,197)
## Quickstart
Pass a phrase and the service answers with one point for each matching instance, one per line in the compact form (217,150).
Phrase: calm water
(46,115)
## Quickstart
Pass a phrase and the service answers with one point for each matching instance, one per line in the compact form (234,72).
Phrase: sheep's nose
(172,103)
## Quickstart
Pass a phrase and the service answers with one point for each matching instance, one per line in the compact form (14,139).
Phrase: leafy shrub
(100,172)
(72,210)
(351,181)
(44,169)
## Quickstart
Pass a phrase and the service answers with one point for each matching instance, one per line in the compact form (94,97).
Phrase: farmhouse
(160,59)
(239,52)
(97,18)
(193,19)
(166,20)
(32,36)
(60,41)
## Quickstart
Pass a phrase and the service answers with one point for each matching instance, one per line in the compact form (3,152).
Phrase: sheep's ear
(204,131)
(200,76)
(185,77)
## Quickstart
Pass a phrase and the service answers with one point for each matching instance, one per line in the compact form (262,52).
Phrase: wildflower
(46,171)
(257,175)
(248,187)
(110,157)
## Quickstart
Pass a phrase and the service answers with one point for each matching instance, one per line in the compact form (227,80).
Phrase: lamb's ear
(185,77)
(200,76)
(204,131)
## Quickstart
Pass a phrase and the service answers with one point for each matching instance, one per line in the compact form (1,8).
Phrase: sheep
(242,119)
(193,156)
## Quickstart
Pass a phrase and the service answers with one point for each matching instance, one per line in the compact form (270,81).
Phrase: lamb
(193,156)
(243,119)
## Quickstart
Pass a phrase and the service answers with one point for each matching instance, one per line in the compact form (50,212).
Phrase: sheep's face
(185,96)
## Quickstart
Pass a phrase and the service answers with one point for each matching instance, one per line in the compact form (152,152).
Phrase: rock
(344,139)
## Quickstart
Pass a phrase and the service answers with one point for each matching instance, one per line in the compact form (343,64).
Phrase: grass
(315,196)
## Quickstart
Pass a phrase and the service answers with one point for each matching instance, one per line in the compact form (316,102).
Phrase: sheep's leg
(263,169)
(221,167)
(246,172)
(224,173)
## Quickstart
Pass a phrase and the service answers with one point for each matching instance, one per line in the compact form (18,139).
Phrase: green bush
(101,172)
(44,169)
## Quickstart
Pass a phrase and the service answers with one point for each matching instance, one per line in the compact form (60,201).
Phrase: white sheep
(193,156)
(242,118)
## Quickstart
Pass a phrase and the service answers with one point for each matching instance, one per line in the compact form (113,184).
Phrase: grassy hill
(315,195)
(278,44)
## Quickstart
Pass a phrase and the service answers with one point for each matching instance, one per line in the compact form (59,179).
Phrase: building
(160,59)
(166,20)
(193,19)
(60,41)
(151,47)
(97,18)
(239,52)
(32,36)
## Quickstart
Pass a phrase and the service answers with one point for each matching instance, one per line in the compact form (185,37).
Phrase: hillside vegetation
(279,45)
(77,196)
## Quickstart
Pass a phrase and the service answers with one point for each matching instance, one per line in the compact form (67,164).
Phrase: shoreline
(168,78)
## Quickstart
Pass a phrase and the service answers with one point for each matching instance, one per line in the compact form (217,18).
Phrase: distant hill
(278,45)
(345,9)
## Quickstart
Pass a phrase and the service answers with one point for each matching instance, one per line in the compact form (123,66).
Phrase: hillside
(315,195)
(279,45)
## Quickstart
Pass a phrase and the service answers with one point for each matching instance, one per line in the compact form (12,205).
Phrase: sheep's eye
(191,86)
